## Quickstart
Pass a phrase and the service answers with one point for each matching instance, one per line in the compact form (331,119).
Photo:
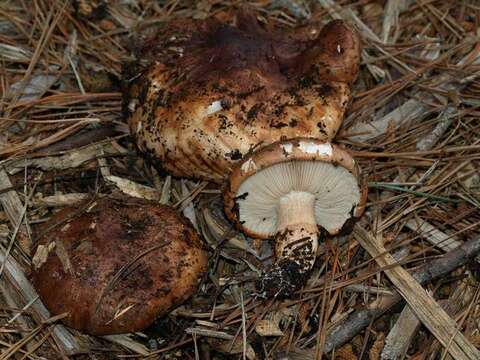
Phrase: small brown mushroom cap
(116,265)
(211,93)
(336,205)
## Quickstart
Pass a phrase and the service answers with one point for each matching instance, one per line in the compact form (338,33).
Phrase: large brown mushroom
(116,264)
(258,110)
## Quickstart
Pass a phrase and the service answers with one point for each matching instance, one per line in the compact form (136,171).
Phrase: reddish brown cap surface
(335,55)
(116,265)
(212,92)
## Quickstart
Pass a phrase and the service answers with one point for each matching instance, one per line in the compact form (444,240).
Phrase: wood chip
(401,335)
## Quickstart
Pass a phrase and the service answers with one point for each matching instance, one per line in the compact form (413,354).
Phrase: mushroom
(255,109)
(294,191)
(210,93)
(117,264)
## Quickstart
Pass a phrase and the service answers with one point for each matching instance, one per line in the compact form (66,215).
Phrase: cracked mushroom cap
(116,265)
(263,181)
(204,93)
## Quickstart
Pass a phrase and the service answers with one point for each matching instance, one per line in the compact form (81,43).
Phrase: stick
(390,19)
(14,209)
(414,109)
(430,313)
(401,335)
(399,338)
(342,332)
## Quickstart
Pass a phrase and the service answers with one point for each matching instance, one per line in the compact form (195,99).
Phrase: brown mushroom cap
(117,265)
(336,56)
(211,93)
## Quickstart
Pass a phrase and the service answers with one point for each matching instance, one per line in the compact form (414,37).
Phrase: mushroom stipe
(255,110)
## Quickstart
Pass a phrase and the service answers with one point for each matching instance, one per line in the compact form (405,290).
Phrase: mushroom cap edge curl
(331,157)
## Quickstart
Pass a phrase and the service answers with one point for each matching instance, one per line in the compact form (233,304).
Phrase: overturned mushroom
(294,191)
(116,265)
(222,102)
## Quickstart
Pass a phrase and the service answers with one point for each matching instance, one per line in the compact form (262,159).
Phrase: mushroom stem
(297,237)
(296,243)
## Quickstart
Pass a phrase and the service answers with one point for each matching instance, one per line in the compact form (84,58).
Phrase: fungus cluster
(255,110)
(117,264)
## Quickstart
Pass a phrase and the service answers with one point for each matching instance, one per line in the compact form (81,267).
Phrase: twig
(400,336)
(342,332)
(390,19)
(127,342)
(244,327)
(412,109)
(398,340)
(15,210)
(443,327)
(433,235)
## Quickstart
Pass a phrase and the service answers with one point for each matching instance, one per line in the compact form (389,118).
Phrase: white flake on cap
(312,148)
(288,148)
(248,165)
(214,107)
(132,105)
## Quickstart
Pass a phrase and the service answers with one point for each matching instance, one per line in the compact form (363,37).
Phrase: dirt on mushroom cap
(211,98)
(124,263)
